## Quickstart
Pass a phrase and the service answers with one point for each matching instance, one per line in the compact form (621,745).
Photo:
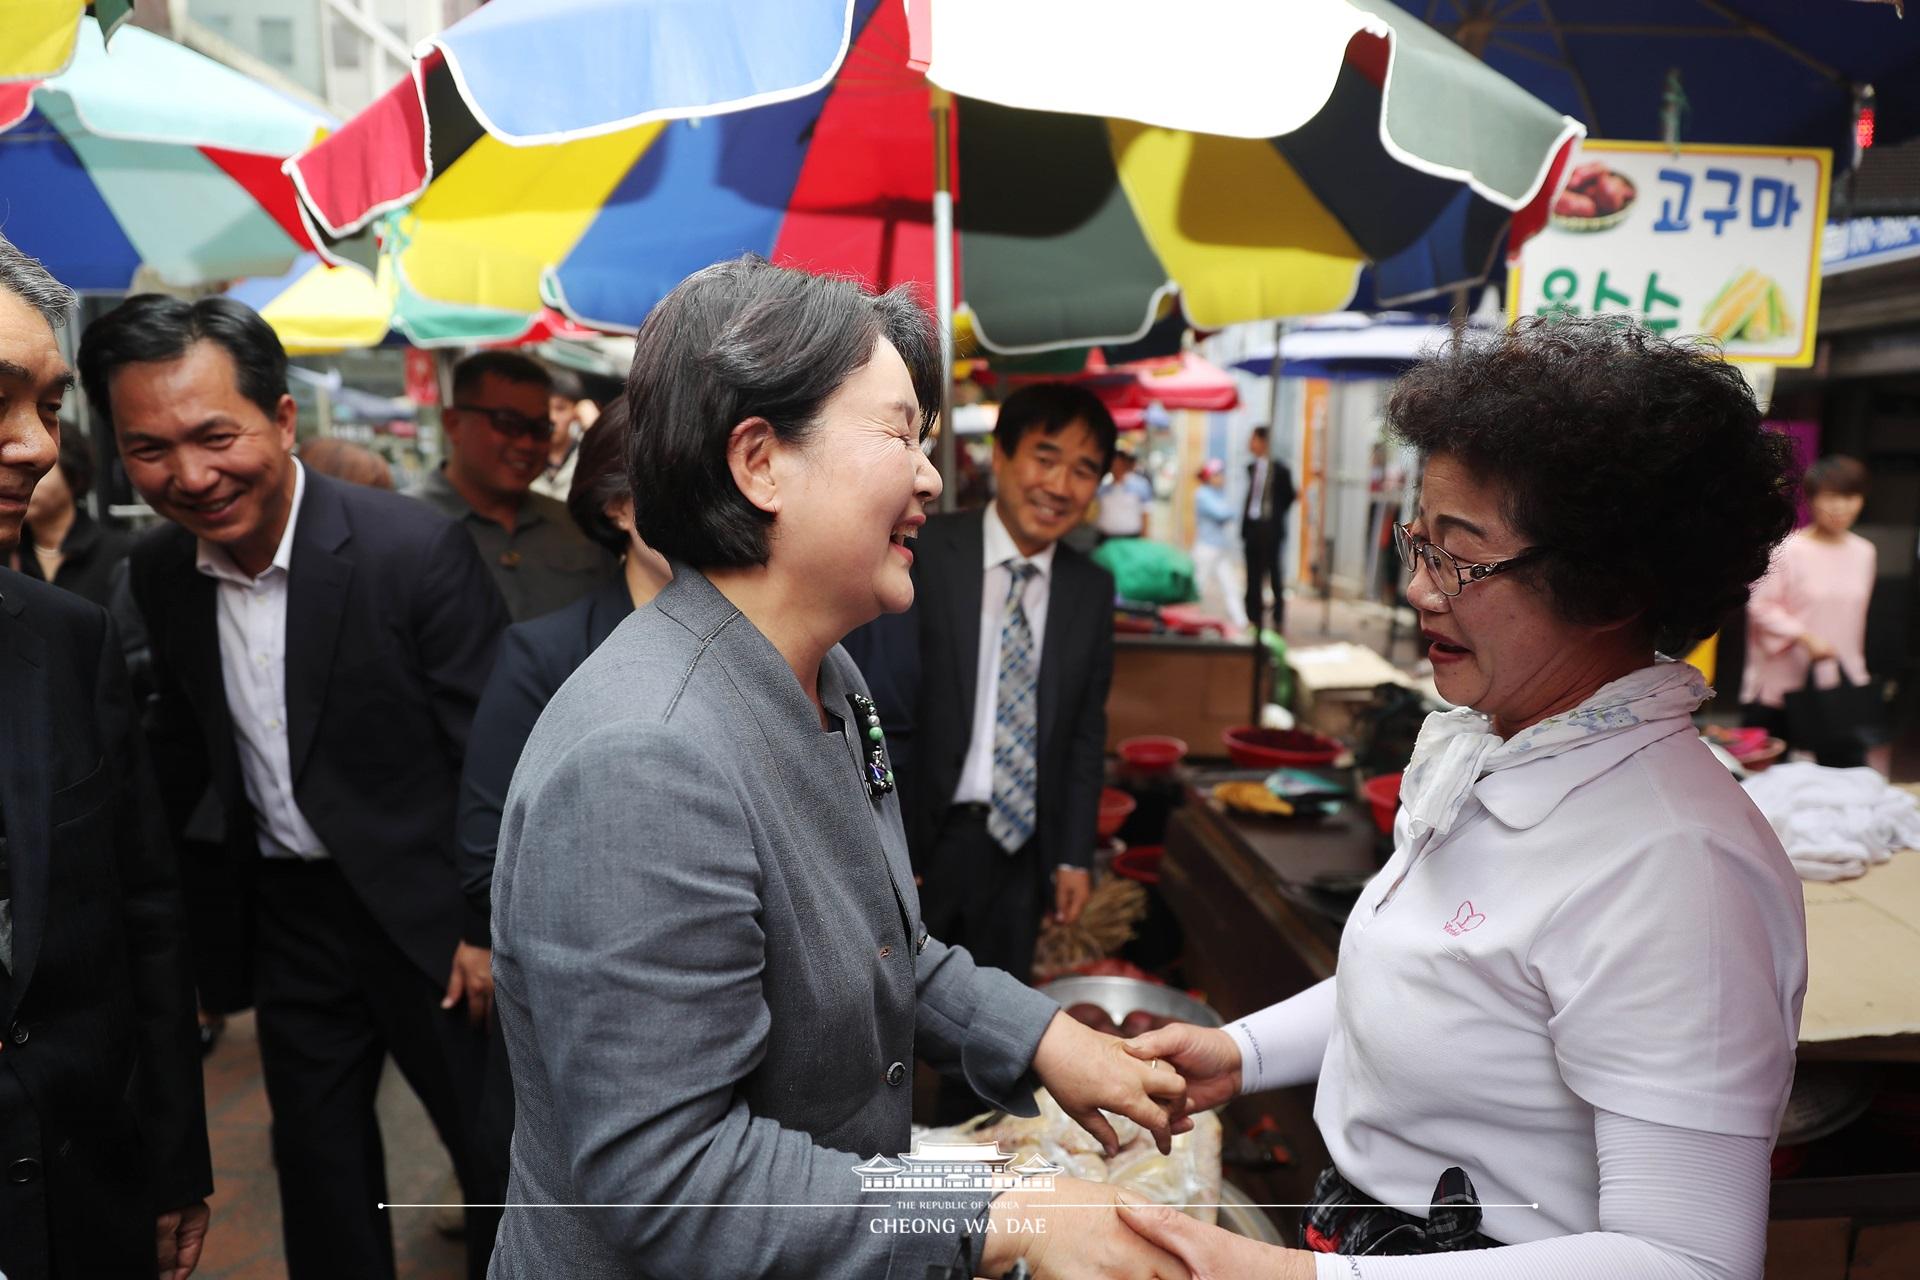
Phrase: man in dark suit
(1263,527)
(318,649)
(103,1129)
(1016,652)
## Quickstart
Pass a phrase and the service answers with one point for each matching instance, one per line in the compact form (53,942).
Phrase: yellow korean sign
(1716,241)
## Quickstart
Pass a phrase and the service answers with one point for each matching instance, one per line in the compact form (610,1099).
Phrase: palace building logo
(957,1166)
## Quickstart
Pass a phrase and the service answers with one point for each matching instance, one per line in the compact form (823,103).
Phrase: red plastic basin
(1383,797)
(1115,806)
(1253,748)
(1140,863)
(1151,753)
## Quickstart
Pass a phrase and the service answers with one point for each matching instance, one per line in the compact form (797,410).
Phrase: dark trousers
(978,896)
(1265,539)
(334,996)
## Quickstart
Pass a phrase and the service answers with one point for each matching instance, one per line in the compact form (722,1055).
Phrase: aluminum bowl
(1121,996)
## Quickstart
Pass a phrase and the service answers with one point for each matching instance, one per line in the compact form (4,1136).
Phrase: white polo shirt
(1614,927)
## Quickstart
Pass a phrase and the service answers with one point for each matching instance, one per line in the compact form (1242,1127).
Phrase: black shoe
(210,1036)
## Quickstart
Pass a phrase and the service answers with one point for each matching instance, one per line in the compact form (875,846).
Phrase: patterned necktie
(1016,721)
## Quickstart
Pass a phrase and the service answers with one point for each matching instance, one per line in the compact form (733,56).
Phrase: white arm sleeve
(1675,1204)
(1283,1044)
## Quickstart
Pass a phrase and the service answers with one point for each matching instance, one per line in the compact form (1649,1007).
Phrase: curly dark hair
(1638,464)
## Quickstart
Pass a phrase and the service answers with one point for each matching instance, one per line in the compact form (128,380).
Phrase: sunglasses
(514,426)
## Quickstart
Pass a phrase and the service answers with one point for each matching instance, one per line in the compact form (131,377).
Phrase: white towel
(1835,823)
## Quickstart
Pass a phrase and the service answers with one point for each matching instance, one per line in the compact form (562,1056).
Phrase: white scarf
(1457,748)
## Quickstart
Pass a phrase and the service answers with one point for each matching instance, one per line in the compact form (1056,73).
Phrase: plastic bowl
(1757,761)
(1115,807)
(1141,863)
(1151,753)
(1254,748)
(1383,797)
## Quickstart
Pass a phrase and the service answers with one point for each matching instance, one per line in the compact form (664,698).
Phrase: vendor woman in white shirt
(1577,982)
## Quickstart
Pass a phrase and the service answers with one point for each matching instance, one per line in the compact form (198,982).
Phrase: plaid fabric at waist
(1344,1219)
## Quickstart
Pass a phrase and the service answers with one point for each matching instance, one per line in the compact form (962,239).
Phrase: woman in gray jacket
(710,969)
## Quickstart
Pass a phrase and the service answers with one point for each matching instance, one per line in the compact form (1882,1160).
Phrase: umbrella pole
(947,453)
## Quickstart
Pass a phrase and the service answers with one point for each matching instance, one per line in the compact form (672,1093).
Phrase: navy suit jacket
(1076,668)
(102,1120)
(536,657)
(392,623)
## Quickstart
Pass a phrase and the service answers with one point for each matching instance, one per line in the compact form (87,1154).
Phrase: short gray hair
(33,284)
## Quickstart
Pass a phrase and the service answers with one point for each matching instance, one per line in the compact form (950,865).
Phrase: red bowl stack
(1253,748)
(1141,863)
(1151,753)
(1115,806)
(1383,797)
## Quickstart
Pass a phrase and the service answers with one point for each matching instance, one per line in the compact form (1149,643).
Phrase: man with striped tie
(1016,652)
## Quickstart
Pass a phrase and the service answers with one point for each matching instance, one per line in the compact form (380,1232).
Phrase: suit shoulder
(1081,565)
(390,517)
(159,546)
(52,611)
(954,525)
(949,533)
(552,640)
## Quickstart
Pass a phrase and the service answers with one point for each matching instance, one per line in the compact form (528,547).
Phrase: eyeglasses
(514,426)
(1450,574)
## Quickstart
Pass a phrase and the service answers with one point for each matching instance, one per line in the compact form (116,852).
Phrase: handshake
(1087,1229)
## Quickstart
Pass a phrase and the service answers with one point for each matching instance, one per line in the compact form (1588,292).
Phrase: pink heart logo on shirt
(1464,919)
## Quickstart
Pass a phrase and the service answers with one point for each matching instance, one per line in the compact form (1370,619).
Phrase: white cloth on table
(1835,823)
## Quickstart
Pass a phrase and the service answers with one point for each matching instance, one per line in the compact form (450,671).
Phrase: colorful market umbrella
(320,309)
(41,34)
(152,155)
(1768,72)
(317,309)
(1243,162)
(1180,381)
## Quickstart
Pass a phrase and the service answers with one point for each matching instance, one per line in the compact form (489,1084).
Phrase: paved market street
(244,1243)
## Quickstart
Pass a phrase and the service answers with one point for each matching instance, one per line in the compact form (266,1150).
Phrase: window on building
(348,45)
(276,42)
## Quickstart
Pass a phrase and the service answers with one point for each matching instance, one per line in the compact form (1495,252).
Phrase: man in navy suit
(1015,636)
(318,649)
(103,1129)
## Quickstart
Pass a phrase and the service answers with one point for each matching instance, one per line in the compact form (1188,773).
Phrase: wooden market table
(1258,929)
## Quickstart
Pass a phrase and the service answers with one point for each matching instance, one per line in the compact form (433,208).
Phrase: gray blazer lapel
(316,608)
(27,727)
(834,693)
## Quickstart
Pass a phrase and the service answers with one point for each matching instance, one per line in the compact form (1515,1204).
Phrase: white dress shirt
(976,775)
(1256,504)
(252,616)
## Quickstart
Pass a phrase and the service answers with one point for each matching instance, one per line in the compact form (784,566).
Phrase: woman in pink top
(1810,611)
